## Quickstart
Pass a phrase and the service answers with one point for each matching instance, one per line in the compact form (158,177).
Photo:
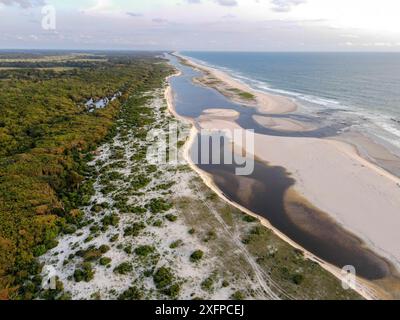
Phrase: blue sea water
(361,90)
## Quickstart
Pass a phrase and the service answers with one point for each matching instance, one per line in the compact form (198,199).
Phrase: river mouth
(268,191)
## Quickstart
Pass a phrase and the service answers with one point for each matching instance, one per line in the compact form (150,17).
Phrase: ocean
(359,90)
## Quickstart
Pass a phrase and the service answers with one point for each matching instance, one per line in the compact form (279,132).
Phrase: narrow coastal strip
(365,288)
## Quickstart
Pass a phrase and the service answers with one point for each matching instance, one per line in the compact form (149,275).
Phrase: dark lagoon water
(268,186)
(360,90)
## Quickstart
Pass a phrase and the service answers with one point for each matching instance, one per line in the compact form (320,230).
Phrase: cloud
(134,14)
(285,5)
(23,3)
(227,3)
(229,16)
(159,20)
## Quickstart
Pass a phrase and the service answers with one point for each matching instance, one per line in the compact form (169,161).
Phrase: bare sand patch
(282,124)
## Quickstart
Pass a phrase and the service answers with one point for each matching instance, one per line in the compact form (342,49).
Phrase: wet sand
(282,124)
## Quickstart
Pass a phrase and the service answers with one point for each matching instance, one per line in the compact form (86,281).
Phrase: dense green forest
(47,135)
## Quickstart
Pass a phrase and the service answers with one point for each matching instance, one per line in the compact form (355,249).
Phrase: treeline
(46,139)
(49,64)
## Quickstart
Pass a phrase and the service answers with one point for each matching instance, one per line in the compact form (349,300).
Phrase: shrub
(297,279)
(238,295)
(124,268)
(135,229)
(196,256)
(91,255)
(157,223)
(114,238)
(163,278)
(158,205)
(249,218)
(39,250)
(172,291)
(140,182)
(105,261)
(176,244)
(104,248)
(171,217)
(85,273)
(208,284)
(133,293)
(128,249)
(136,209)
(110,220)
(74,216)
(144,251)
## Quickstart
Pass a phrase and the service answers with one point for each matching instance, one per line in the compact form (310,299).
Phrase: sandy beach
(333,175)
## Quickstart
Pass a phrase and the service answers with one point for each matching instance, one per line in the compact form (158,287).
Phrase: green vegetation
(135,229)
(166,283)
(105,261)
(242,94)
(176,244)
(238,296)
(110,220)
(247,95)
(132,293)
(208,284)
(158,205)
(171,218)
(85,273)
(249,219)
(163,278)
(124,268)
(47,137)
(196,256)
(144,251)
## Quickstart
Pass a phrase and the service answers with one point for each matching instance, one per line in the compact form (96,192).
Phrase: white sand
(364,198)
(282,124)
(223,114)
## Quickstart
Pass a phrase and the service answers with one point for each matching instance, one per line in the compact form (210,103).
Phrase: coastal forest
(50,126)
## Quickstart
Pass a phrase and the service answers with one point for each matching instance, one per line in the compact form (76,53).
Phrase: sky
(209,25)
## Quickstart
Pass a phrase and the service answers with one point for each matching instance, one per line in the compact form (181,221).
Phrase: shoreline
(363,287)
(365,146)
(307,160)
(265,103)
